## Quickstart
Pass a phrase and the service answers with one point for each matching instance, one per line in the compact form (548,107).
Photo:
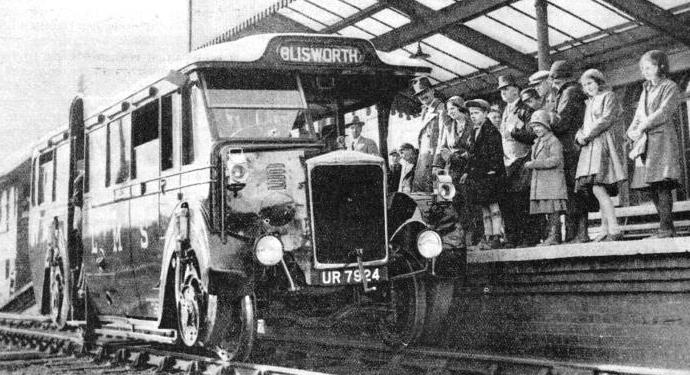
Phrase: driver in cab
(358,142)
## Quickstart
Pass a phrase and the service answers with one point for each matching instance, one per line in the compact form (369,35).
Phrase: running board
(138,329)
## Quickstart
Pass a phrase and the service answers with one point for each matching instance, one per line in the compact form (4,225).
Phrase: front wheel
(234,328)
(404,300)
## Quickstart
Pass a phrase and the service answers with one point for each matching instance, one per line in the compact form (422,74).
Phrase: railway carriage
(195,201)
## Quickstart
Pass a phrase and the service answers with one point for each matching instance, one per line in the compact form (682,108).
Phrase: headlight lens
(269,250)
(429,244)
(238,173)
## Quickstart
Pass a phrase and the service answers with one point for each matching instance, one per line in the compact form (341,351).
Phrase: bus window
(61,162)
(166,133)
(196,138)
(45,177)
(4,212)
(118,155)
(144,131)
(261,106)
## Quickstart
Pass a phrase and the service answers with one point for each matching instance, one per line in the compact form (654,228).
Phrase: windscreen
(256,105)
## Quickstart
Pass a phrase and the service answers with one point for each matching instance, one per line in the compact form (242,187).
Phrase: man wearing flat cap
(569,108)
(541,83)
(394,170)
(433,117)
(517,140)
(360,143)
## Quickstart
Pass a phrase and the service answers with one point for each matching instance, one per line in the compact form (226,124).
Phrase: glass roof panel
(436,4)
(355,32)
(360,4)
(315,12)
(391,17)
(517,20)
(503,34)
(462,52)
(557,37)
(526,6)
(592,12)
(299,18)
(336,6)
(373,26)
(569,23)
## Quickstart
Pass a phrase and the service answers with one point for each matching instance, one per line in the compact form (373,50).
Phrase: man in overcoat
(569,108)
(517,138)
(432,118)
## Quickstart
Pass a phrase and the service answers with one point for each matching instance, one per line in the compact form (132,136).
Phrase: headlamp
(429,244)
(268,250)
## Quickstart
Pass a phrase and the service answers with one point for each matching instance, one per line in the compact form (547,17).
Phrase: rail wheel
(234,329)
(189,298)
(60,291)
(404,305)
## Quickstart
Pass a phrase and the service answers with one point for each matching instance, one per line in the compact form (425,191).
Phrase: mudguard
(234,283)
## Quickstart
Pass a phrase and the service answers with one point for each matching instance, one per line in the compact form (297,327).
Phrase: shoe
(549,242)
(495,242)
(581,237)
(600,237)
(664,233)
(613,237)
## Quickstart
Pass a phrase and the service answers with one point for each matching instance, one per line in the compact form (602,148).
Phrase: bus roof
(247,49)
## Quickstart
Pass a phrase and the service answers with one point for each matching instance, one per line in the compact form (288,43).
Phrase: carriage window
(97,158)
(117,153)
(144,131)
(166,133)
(187,130)
(45,177)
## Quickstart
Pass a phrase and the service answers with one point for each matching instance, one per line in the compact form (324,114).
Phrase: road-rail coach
(195,200)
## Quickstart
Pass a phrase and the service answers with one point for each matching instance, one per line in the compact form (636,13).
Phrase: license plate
(349,276)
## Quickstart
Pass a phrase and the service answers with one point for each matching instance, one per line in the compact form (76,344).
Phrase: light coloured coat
(548,178)
(661,160)
(600,155)
(433,117)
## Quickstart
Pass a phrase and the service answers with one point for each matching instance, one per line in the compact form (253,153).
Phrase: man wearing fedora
(433,117)
(360,143)
(517,138)
(569,108)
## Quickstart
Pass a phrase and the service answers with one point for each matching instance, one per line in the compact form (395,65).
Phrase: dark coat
(394,177)
(485,169)
(570,111)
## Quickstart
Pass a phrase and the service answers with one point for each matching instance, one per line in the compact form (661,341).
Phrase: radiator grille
(348,212)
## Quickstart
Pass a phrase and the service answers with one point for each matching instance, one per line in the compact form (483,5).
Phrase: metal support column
(542,35)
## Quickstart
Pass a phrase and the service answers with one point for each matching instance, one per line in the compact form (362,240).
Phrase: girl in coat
(548,194)
(485,172)
(600,166)
(657,169)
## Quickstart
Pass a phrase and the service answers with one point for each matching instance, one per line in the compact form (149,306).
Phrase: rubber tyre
(233,327)
(407,298)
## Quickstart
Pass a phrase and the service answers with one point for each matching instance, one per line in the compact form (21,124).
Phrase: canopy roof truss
(470,42)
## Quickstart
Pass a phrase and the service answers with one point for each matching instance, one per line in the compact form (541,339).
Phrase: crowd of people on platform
(550,151)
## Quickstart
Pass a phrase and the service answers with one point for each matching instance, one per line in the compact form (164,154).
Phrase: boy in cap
(569,108)
(485,171)
(407,167)
(394,170)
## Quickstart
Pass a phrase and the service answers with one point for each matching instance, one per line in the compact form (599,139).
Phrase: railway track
(31,345)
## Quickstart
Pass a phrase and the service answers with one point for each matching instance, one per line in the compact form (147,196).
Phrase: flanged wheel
(189,299)
(59,289)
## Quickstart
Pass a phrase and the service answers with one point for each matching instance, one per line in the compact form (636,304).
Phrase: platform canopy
(468,43)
